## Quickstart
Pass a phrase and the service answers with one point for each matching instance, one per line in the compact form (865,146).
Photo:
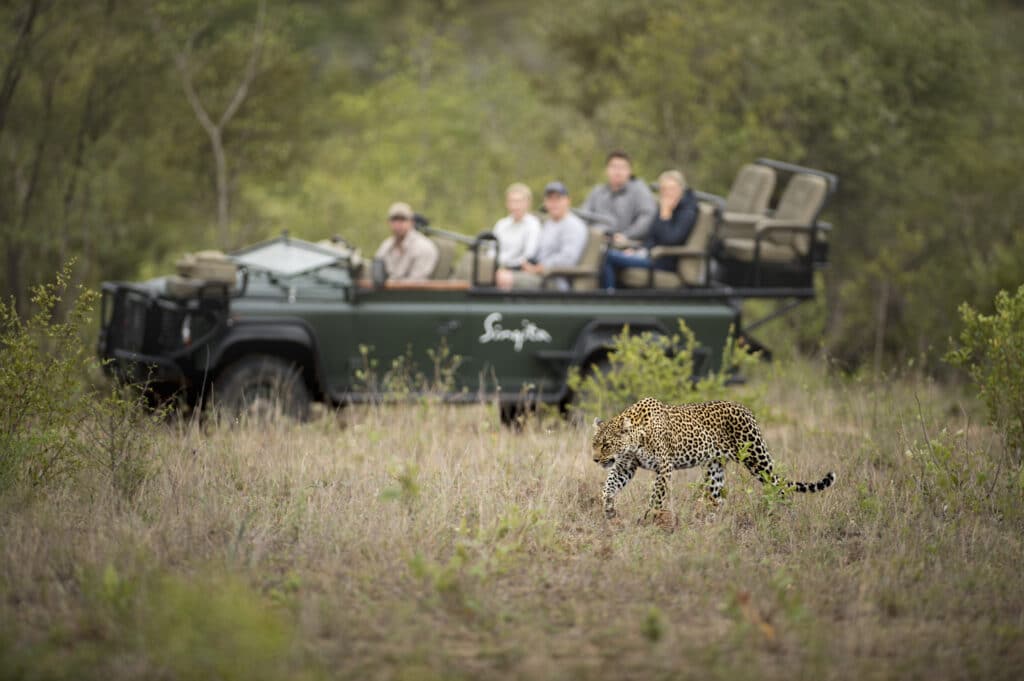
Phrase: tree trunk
(215,131)
(881,319)
(15,285)
(223,198)
(12,73)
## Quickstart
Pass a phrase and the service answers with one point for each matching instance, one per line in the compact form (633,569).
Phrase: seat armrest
(677,251)
(773,225)
(734,218)
(628,243)
(570,271)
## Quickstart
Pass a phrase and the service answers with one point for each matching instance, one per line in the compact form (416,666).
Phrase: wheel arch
(595,340)
(290,339)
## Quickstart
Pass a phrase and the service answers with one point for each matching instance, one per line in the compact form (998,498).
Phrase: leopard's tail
(824,483)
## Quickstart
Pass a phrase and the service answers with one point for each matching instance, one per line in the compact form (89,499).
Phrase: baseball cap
(400,210)
(555,187)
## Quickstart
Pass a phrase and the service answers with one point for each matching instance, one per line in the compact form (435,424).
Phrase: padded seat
(692,266)
(585,275)
(786,248)
(445,258)
(789,227)
(747,201)
(745,249)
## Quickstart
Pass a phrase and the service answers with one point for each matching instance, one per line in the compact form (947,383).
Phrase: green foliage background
(917,106)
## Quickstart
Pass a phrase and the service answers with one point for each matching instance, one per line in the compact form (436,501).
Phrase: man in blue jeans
(677,213)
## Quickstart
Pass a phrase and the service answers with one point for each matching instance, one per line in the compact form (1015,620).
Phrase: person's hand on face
(669,194)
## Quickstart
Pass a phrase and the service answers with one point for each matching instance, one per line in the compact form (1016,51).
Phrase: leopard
(665,437)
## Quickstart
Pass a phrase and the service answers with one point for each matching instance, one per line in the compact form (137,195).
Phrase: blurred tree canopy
(318,115)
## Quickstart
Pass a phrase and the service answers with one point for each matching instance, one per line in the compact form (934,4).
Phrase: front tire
(261,387)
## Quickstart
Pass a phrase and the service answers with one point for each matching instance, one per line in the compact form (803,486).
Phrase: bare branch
(181,61)
(215,130)
(250,67)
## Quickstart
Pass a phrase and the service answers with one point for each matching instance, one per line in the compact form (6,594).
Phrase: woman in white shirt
(518,233)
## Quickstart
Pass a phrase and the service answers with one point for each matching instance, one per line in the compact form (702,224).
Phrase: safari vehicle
(297,322)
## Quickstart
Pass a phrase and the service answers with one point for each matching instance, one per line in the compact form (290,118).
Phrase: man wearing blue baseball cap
(563,237)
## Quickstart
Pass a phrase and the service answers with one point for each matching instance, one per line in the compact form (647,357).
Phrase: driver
(407,254)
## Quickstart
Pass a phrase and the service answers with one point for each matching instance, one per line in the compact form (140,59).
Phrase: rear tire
(261,387)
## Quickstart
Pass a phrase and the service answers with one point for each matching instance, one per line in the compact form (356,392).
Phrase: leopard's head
(611,439)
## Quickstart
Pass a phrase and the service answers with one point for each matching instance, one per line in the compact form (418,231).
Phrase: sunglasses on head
(399,218)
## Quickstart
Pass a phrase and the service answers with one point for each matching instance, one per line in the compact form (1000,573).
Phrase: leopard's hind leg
(760,464)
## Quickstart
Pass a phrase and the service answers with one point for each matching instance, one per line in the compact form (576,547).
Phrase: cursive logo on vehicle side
(528,331)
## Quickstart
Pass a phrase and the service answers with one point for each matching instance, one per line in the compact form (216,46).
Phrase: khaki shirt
(414,258)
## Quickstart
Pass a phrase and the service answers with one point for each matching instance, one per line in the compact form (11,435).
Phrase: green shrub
(43,385)
(53,420)
(991,348)
(117,437)
(654,365)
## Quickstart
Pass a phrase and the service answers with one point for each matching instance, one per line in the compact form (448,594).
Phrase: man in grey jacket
(563,238)
(625,201)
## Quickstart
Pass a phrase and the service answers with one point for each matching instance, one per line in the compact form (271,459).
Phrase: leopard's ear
(598,421)
(626,423)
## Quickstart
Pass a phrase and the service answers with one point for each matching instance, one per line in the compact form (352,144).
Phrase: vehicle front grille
(130,325)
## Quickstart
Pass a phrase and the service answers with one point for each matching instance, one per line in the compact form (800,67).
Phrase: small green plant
(406,489)
(117,437)
(953,478)
(481,555)
(654,365)
(653,626)
(991,348)
(404,378)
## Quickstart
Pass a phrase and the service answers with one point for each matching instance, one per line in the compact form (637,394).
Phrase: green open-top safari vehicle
(298,322)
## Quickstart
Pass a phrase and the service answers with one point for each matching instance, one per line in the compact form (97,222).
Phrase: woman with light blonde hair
(518,233)
(671,226)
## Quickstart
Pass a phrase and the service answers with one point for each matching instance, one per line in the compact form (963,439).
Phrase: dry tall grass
(427,542)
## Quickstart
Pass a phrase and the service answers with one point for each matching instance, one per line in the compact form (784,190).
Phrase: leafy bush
(117,437)
(43,387)
(654,365)
(991,348)
(53,421)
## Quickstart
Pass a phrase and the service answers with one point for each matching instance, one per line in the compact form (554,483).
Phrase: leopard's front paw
(610,513)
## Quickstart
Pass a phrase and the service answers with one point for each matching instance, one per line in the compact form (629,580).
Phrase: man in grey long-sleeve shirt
(563,238)
(625,200)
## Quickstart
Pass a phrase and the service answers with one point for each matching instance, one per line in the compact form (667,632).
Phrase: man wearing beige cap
(407,254)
